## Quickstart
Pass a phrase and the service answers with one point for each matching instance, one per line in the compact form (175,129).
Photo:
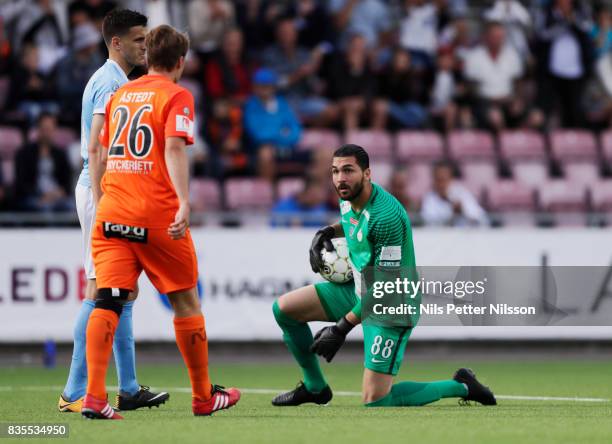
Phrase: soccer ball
(336,264)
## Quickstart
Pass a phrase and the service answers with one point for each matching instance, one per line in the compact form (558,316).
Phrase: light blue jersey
(102,84)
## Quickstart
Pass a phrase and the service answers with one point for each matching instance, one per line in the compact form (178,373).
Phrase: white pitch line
(256,391)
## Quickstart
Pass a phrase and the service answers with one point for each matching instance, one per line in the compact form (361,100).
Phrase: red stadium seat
(584,173)
(319,139)
(419,146)
(601,195)
(510,195)
(606,145)
(566,200)
(381,173)
(478,172)
(8,170)
(419,178)
(289,186)
(522,145)
(11,140)
(513,201)
(378,144)
(530,172)
(470,145)
(571,145)
(205,195)
(242,194)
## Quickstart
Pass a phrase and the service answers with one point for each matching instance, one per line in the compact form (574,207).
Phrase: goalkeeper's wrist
(329,231)
(344,326)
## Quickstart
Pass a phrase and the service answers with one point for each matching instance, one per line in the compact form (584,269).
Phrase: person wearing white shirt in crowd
(419,31)
(515,17)
(494,68)
(449,203)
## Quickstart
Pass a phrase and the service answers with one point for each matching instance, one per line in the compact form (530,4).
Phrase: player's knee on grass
(112,299)
(375,386)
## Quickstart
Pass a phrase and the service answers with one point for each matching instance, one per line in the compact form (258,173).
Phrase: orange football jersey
(139,117)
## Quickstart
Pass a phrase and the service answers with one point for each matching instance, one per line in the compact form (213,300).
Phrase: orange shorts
(170,265)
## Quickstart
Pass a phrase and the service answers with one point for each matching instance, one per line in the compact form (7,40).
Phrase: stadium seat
(205,195)
(378,144)
(11,140)
(478,172)
(566,200)
(584,173)
(63,136)
(243,194)
(381,172)
(8,170)
(522,145)
(289,186)
(513,200)
(601,196)
(470,145)
(530,172)
(4,90)
(419,146)
(572,145)
(606,145)
(319,139)
(419,178)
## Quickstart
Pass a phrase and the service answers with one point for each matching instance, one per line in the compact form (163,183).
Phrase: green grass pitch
(30,395)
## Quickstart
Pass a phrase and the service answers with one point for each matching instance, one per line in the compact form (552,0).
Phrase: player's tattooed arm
(178,170)
(96,157)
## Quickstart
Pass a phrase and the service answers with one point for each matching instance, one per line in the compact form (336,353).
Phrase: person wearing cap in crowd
(272,128)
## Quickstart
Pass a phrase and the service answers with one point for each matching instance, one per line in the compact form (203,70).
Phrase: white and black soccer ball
(336,264)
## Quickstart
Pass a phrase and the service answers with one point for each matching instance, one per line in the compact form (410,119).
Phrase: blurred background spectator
(42,172)
(271,126)
(307,208)
(513,94)
(450,203)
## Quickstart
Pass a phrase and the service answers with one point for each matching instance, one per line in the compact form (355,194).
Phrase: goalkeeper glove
(328,340)
(322,239)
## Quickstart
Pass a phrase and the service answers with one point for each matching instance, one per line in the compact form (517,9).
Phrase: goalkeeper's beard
(355,191)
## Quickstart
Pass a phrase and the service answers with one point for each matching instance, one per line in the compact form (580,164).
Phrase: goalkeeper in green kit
(378,235)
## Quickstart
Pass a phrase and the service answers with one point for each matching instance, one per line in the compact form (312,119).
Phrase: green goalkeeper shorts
(383,346)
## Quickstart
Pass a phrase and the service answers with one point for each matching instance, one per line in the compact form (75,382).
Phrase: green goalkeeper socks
(298,337)
(420,393)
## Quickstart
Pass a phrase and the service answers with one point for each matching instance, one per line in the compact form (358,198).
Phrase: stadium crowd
(464,106)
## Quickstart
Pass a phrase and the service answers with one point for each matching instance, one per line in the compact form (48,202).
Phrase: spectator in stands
(271,126)
(42,172)
(31,91)
(313,23)
(160,12)
(307,208)
(36,23)
(494,68)
(228,83)
(369,18)
(419,31)
(208,21)
(6,52)
(74,70)
(450,203)
(398,186)
(351,81)
(402,94)
(444,110)
(565,53)
(601,34)
(297,69)
(517,21)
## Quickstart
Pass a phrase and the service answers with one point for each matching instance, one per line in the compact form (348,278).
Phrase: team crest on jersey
(360,235)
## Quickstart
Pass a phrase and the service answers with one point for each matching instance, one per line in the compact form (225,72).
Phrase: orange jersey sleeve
(180,120)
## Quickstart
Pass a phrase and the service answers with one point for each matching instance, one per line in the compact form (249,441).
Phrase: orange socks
(99,344)
(193,344)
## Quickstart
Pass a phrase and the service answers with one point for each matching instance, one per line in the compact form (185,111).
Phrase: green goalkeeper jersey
(379,235)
